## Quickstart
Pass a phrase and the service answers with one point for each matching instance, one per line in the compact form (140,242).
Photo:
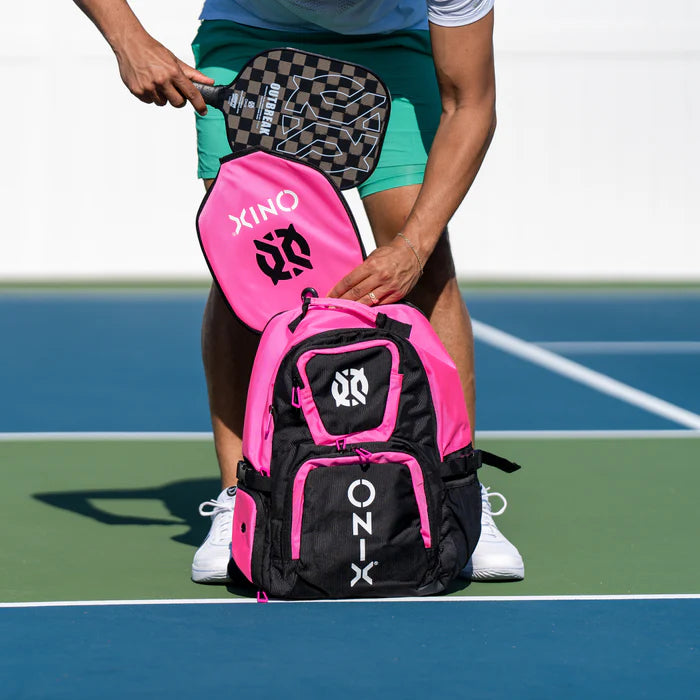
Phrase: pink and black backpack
(359,477)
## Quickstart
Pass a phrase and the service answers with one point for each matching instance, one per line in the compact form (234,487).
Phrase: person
(436,57)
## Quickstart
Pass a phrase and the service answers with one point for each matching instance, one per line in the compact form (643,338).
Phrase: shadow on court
(110,506)
(179,498)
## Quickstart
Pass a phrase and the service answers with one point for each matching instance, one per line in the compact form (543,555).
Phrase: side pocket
(248,541)
(461,524)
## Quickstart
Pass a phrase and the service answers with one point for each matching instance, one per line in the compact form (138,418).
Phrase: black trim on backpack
(460,464)
(393,326)
(253,479)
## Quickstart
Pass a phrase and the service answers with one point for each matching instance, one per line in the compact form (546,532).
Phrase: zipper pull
(340,444)
(296,401)
(270,416)
(363,454)
(262,597)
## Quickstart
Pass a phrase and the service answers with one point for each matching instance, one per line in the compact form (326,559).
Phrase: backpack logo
(350,387)
(361,570)
(282,253)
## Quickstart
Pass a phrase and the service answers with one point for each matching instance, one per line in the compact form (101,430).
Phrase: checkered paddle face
(328,113)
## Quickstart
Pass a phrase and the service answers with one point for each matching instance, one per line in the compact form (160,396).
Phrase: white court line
(482,434)
(636,347)
(426,599)
(573,370)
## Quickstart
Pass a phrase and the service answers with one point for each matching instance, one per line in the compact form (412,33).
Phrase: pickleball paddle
(271,226)
(328,113)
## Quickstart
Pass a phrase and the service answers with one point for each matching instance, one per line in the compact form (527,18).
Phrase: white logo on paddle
(350,387)
(285,201)
(269,105)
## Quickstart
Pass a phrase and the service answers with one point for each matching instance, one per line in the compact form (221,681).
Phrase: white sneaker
(495,558)
(210,563)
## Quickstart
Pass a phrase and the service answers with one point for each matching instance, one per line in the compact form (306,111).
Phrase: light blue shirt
(346,16)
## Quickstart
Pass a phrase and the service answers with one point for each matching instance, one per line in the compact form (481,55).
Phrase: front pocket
(360,525)
(350,392)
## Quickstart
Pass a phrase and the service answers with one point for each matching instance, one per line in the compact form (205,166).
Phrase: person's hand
(388,275)
(155,75)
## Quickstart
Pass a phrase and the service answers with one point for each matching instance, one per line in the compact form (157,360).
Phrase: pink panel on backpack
(243,534)
(308,406)
(270,227)
(374,458)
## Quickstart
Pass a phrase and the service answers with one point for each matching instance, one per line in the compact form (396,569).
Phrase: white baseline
(426,599)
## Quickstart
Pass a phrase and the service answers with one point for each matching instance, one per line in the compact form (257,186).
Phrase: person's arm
(463,58)
(148,69)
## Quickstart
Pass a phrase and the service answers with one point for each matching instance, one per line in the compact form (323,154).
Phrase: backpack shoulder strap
(463,464)
(505,465)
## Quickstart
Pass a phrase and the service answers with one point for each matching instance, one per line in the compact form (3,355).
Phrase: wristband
(413,248)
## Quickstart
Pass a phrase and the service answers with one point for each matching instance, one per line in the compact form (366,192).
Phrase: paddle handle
(213,94)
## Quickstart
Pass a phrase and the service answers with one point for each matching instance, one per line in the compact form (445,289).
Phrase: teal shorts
(402,59)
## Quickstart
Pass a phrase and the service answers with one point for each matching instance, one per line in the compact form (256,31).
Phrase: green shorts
(402,59)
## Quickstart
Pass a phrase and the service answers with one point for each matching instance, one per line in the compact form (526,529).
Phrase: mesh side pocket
(461,523)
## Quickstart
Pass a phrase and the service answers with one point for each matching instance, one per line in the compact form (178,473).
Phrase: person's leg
(437,292)
(228,350)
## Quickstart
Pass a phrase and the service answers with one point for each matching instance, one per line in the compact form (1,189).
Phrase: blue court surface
(616,368)
(448,648)
(131,361)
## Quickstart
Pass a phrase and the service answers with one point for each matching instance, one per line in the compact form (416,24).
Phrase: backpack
(359,478)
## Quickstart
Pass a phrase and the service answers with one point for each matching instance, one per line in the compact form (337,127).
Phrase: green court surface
(114,520)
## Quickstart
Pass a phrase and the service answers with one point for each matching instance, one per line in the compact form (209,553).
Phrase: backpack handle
(307,294)
(369,315)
